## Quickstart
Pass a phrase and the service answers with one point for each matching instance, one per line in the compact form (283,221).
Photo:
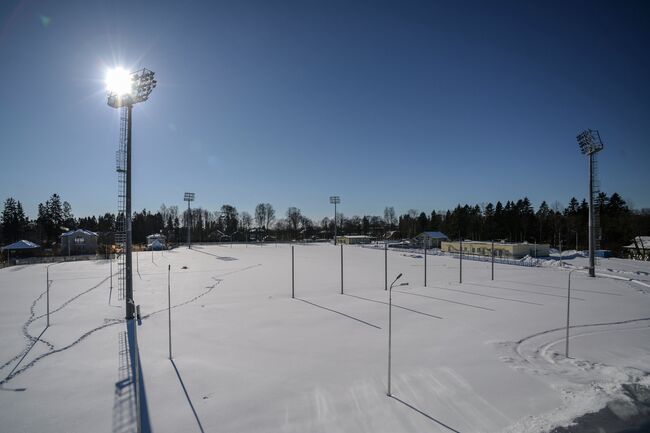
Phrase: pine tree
(13,220)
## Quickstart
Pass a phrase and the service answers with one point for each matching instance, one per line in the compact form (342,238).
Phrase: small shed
(430,239)
(80,241)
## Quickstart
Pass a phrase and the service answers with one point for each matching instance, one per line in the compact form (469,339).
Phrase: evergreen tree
(13,220)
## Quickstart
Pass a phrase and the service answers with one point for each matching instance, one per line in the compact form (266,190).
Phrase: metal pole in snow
(568,310)
(390,325)
(341,269)
(390,331)
(47,281)
(460,278)
(169,307)
(493,260)
(425,263)
(386,265)
(293,280)
(110,293)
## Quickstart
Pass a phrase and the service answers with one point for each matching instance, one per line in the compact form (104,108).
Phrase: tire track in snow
(111,323)
(32,318)
(31,339)
(536,358)
(585,386)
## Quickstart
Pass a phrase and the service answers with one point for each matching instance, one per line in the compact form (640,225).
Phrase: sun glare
(118,81)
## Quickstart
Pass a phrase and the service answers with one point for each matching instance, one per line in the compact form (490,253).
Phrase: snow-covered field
(481,356)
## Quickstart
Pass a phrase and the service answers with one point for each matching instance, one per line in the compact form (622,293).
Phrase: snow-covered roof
(356,237)
(641,242)
(435,235)
(21,245)
(82,231)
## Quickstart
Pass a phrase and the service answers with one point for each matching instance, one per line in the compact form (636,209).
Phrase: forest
(515,221)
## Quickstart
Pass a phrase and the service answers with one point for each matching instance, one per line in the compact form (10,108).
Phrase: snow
(481,356)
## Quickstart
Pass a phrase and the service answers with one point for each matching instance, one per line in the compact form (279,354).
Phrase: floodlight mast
(335,199)
(590,144)
(189,197)
(142,84)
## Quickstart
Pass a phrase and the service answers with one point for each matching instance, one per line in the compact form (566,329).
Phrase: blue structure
(21,248)
(80,241)
(21,245)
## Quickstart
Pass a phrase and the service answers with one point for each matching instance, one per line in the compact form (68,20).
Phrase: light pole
(390,324)
(335,199)
(189,197)
(590,144)
(126,89)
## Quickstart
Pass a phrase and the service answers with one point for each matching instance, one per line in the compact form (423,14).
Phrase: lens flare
(119,81)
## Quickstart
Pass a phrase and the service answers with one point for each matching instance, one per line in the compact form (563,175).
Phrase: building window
(79,241)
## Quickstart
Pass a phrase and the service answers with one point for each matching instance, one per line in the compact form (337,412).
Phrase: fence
(58,259)
(528,262)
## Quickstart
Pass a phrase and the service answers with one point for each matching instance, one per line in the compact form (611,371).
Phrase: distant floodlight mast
(124,90)
(335,199)
(590,144)
(189,197)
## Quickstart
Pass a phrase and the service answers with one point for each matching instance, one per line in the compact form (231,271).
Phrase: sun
(119,81)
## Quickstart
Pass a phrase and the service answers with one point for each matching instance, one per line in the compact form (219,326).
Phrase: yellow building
(353,239)
(501,249)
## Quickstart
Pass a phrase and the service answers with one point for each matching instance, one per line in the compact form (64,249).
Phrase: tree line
(515,221)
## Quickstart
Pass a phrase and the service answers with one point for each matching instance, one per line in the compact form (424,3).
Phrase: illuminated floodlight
(119,81)
(127,88)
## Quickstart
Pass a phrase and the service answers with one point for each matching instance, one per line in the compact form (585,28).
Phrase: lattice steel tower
(590,144)
(140,87)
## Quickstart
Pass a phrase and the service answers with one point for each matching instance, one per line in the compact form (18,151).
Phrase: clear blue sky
(416,104)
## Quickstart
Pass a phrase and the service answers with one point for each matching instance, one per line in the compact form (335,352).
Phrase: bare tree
(246,221)
(293,217)
(389,216)
(325,224)
(260,214)
(269,214)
